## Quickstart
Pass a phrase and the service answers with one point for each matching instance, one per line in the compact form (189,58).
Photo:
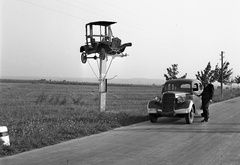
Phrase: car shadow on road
(175,120)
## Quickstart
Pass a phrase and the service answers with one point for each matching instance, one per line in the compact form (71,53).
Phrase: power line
(78,7)
(127,24)
(153,24)
(97,14)
(149,32)
(136,15)
(60,12)
(135,26)
(54,10)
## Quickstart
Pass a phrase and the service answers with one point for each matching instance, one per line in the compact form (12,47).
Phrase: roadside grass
(39,115)
(227,94)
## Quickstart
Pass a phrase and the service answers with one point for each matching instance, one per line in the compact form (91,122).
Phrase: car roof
(102,23)
(183,80)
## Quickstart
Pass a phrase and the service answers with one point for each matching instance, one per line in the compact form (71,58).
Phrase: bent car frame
(180,98)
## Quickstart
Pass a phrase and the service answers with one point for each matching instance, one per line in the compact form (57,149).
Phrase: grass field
(39,114)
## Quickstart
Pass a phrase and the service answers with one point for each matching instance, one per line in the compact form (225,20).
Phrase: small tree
(172,72)
(207,75)
(225,73)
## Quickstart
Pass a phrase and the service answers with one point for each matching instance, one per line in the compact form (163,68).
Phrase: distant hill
(143,81)
(138,81)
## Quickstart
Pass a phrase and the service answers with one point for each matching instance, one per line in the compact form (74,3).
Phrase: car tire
(190,116)
(84,58)
(153,118)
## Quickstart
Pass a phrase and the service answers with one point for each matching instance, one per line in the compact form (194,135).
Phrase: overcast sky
(42,37)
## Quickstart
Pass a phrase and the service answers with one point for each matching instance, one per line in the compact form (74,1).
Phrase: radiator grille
(168,102)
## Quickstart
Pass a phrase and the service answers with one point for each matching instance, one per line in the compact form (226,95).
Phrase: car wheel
(190,116)
(153,118)
(84,58)
(102,54)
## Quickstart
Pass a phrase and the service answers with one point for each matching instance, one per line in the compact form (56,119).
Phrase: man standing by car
(207,96)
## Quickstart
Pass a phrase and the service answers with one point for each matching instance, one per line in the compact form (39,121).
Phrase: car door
(197,90)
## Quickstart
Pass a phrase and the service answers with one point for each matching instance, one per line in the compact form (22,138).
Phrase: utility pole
(222,73)
(102,83)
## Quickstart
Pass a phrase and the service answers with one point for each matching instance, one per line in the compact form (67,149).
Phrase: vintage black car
(180,98)
(100,41)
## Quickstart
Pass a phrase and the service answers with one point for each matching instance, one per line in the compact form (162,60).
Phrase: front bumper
(177,112)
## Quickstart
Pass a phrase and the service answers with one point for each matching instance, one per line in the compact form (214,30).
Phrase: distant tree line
(44,81)
(65,82)
(208,74)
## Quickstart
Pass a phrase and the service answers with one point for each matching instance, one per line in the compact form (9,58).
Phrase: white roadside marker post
(4,137)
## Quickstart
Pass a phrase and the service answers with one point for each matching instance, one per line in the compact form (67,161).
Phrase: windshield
(177,86)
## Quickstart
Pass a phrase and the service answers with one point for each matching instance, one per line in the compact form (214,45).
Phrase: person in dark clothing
(207,96)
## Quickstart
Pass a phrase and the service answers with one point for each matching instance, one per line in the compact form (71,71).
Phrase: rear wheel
(153,118)
(190,116)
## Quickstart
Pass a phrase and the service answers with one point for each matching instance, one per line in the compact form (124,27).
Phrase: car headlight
(157,99)
(180,99)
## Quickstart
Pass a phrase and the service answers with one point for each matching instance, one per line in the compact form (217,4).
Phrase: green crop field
(42,114)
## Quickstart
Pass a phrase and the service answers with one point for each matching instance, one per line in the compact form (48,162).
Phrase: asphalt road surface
(169,141)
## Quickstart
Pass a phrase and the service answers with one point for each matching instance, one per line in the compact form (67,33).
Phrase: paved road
(169,141)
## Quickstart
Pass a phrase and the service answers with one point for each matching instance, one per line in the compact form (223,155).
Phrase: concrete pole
(102,86)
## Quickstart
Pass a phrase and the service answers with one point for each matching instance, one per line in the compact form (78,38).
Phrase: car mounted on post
(180,98)
(100,40)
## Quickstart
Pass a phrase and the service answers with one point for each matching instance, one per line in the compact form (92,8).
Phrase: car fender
(123,46)
(154,104)
(186,105)
(83,48)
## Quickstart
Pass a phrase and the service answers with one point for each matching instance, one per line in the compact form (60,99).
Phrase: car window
(176,86)
(170,87)
(185,86)
(195,87)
